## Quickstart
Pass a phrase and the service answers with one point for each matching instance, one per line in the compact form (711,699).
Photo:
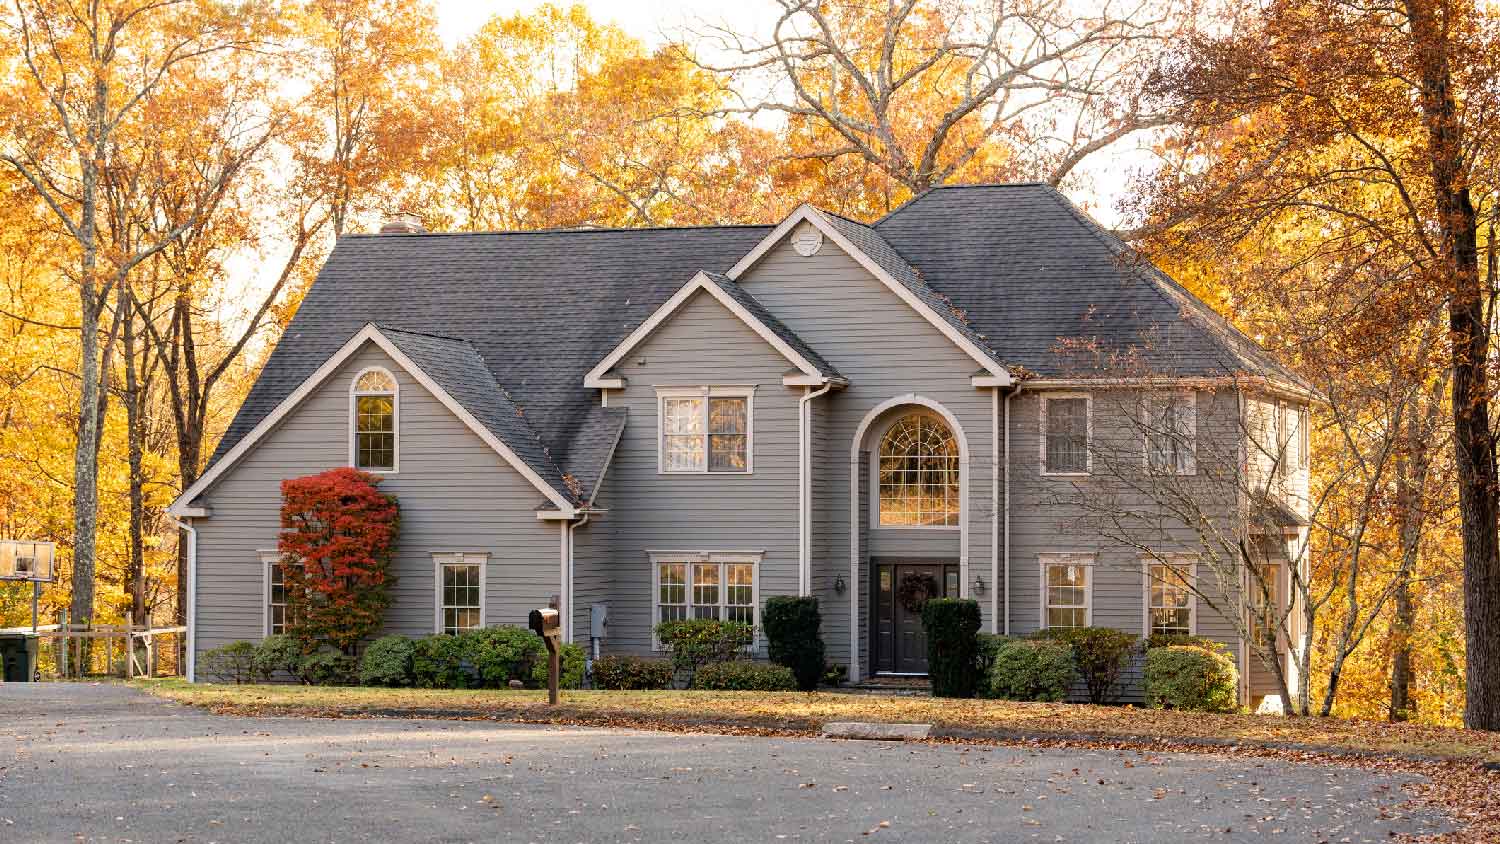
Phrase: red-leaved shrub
(337,535)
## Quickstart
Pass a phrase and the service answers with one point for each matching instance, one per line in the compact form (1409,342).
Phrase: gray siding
(703,344)
(455,494)
(885,349)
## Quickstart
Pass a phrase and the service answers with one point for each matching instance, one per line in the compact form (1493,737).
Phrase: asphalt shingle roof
(512,321)
(776,326)
(457,367)
(1028,268)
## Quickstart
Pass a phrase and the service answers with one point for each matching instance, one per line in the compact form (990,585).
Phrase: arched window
(918,467)
(374,411)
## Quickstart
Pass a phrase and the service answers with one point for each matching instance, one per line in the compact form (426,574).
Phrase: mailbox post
(548,624)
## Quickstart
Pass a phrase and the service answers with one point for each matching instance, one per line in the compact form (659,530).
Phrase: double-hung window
(275,595)
(1169,598)
(705,429)
(1172,433)
(373,422)
(460,592)
(1065,435)
(697,585)
(1067,590)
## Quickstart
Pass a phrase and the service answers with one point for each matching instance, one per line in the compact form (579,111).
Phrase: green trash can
(18,657)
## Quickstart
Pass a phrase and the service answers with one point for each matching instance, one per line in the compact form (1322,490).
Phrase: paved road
(107,763)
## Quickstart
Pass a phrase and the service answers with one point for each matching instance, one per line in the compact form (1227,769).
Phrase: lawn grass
(799,713)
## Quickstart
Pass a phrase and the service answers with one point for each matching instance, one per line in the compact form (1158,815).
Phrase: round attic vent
(807,240)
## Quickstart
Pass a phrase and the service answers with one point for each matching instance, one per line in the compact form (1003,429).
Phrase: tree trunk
(1473,442)
(135,571)
(1402,705)
(86,449)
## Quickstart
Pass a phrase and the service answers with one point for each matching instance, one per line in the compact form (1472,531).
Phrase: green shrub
(952,626)
(1100,654)
(1032,669)
(1191,678)
(328,667)
(502,654)
(700,641)
(793,628)
(278,653)
(231,663)
(387,662)
(1167,640)
(570,668)
(834,674)
(744,676)
(631,673)
(440,661)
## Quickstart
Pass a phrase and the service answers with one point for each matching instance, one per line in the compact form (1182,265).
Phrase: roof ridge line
(567,230)
(384,327)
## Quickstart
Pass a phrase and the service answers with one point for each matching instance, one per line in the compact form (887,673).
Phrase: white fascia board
(798,380)
(598,377)
(809,214)
(367,334)
(986,381)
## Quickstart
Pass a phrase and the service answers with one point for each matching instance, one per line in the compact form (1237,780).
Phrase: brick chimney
(403,222)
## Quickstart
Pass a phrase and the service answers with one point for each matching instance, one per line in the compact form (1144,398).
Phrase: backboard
(25,560)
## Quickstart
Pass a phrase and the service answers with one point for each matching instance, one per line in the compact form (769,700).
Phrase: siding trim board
(855,569)
(368,334)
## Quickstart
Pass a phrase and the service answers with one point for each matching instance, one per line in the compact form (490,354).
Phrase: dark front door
(900,591)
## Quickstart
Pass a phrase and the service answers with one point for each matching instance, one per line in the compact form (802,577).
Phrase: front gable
(396,348)
(808,231)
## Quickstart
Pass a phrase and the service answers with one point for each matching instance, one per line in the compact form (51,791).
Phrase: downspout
(804,487)
(568,620)
(1008,397)
(994,510)
(186,524)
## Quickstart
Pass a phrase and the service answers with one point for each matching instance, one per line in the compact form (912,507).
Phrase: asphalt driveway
(108,763)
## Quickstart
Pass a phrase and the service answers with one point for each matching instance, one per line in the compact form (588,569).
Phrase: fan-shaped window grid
(919,473)
(375,421)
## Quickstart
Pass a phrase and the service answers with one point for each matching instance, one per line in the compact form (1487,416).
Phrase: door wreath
(914,590)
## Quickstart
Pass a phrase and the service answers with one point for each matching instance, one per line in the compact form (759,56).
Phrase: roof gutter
(1280,389)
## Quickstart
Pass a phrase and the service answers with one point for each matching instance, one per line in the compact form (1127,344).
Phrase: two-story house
(680,422)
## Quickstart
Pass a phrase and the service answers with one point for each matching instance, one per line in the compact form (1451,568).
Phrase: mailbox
(546,623)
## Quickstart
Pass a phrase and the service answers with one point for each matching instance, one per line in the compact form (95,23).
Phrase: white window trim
(874,490)
(705,393)
(1183,561)
(267,559)
(395,395)
(658,558)
(1088,435)
(1147,409)
(1304,437)
(458,558)
(1085,559)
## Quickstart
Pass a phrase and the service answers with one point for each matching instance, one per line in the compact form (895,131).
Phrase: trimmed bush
(1100,654)
(387,662)
(793,628)
(231,663)
(631,673)
(570,668)
(439,661)
(952,626)
(989,645)
(744,676)
(697,642)
(328,667)
(1032,669)
(1167,640)
(1190,678)
(278,653)
(502,654)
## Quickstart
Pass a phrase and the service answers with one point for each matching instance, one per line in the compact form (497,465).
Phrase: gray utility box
(18,657)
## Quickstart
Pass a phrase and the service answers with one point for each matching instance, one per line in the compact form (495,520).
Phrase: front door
(900,591)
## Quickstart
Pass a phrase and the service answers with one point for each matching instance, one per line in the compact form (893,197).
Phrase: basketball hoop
(22,560)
